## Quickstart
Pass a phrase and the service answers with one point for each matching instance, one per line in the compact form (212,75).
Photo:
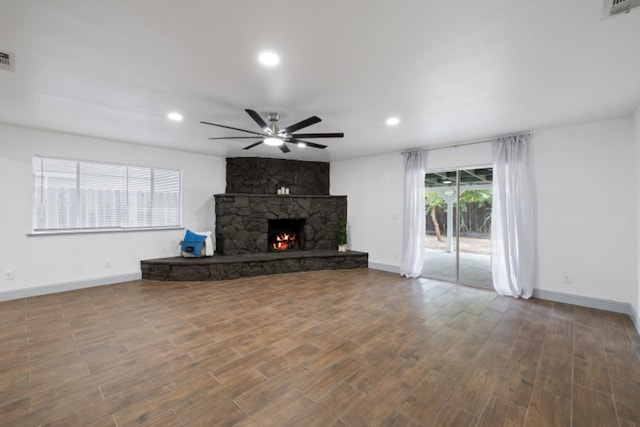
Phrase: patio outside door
(458,240)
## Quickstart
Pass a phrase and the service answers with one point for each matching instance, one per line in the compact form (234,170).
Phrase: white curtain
(413,227)
(513,250)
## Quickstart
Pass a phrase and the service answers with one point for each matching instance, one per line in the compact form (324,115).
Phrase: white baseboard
(609,305)
(601,304)
(68,286)
(384,267)
(635,318)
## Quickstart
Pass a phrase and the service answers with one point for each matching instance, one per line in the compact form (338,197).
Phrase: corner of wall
(635,318)
(636,135)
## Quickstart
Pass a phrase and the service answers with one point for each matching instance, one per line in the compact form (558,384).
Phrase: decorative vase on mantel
(342,235)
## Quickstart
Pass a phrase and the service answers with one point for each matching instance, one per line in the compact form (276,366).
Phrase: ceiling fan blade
(319,135)
(232,128)
(235,137)
(252,145)
(303,124)
(256,118)
(284,148)
(307,143)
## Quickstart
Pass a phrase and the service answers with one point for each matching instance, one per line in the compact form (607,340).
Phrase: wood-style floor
(335,348)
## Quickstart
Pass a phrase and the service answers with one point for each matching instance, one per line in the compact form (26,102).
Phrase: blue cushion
(193,243)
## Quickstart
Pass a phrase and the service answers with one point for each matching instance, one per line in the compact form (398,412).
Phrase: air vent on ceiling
(7,61)
(615,7)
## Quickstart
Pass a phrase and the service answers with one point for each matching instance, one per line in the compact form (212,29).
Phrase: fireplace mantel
(242,220)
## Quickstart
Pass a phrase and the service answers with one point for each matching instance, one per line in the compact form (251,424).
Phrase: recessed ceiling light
(269,59)
(301,144)
(392,121)
(176,117)
(273,141)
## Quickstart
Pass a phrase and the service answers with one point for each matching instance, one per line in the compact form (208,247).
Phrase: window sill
(100,230)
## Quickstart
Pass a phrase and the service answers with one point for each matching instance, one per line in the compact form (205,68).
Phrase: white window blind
(84,195)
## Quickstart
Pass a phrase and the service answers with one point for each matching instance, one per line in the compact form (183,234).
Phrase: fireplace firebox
(285,234)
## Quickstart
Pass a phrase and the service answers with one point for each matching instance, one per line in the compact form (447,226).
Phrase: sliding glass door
(458,240)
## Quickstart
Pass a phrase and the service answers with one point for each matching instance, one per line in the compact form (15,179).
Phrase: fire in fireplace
(284,241)
(285,234)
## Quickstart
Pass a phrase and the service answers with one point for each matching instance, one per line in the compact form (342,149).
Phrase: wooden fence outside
(475,219)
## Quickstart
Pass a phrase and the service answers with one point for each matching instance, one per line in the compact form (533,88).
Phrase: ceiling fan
(273,135)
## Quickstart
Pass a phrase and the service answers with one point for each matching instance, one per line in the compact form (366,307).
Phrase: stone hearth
(235,266)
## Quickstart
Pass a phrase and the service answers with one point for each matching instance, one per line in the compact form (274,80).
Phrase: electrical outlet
(566,279)
(8,275)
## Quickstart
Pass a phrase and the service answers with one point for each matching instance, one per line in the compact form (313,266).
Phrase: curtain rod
(472,142)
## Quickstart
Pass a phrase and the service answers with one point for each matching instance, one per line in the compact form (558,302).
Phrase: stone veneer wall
(242,220)
(257,175)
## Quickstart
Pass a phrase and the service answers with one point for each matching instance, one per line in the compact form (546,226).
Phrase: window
(77,195)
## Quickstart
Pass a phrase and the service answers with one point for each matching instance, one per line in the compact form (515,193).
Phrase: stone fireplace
(246,222)
(259,232)
(242,221)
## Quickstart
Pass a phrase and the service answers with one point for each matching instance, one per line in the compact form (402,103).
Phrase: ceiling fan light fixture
(274,142)
(273,135)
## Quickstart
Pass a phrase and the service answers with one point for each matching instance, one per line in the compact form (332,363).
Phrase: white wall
(459,157)
(636,290)
(585,189)
(583,174)
(41,261)
(373,186)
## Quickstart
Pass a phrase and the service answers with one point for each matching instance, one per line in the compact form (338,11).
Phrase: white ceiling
(452,71)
